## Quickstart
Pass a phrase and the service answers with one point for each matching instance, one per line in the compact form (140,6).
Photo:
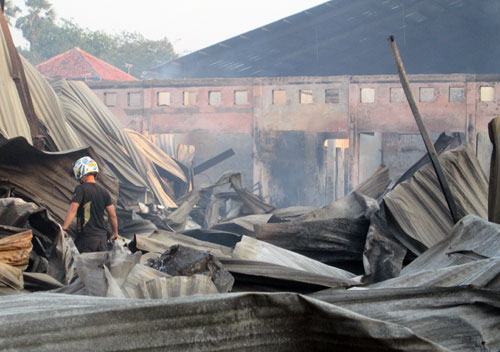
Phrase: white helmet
(84,166)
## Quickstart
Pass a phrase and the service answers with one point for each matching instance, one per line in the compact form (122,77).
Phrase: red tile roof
(76,64)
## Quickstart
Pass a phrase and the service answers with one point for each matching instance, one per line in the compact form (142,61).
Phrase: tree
(53,39)
(40,16)
(135,50)
(10,11)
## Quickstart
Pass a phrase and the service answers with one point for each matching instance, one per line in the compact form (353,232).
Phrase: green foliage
(10,11)
(40,16)
(48,37)
(133,49)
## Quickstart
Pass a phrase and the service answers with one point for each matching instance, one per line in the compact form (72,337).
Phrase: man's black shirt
(93,200)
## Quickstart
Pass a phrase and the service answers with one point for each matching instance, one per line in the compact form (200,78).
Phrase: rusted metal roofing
(76,64)
(348,37)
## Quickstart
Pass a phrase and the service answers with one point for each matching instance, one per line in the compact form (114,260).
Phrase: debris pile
(198,268)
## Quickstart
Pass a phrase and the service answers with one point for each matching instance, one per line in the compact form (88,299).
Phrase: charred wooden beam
(213,161)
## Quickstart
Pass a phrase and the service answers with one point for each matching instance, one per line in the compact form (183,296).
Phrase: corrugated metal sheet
(418,205)
(81,118)
(481,273)
(11,276)
(243,225)
(160,241)
(49,110)
(457,318)
(155,155)
(13,123)
(251,249)
(472,239)
(257,276)
(337,242)
(45,178)
(250,321)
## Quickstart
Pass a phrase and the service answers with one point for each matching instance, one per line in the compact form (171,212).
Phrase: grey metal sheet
(285,278)
(45,178)
(472,238)
(353,206)
(278,322)
(84,123)
(418,205)
(481,273)
(338,242)
(457,318)
(13,122)
(251,249)
(49,110)
(469,256)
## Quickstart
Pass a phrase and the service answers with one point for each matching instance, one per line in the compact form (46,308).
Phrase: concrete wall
(280,142)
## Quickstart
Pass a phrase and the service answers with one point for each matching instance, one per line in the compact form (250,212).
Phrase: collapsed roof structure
(197,268)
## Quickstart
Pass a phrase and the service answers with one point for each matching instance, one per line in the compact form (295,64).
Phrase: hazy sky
(189,24)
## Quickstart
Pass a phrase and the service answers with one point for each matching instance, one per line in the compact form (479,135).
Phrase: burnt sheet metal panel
(472,238)
(457,318)
(96,126)
(418,205)
(469,256)
(246,321)
(13,121)
(256,276)
(49,110)
(348,37)
(337,242)
(46,178)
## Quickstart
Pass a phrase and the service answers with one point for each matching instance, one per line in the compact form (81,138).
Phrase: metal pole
(423,131)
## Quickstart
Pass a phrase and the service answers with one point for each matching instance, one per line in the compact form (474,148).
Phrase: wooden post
(423,131)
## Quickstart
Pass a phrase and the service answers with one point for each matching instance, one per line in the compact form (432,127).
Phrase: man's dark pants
(91,244)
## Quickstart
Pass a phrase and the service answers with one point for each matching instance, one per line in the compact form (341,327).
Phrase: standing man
(88,204)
